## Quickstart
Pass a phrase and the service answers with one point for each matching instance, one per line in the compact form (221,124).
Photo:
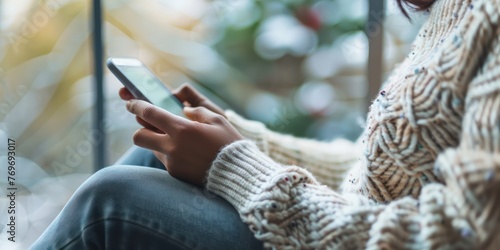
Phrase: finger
(125,94)
(157,117)
(149,139)
(202,115)
(211,106)
(187,93)
(148,126)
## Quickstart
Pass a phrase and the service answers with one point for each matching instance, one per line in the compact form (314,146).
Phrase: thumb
(187,93)
(201,114)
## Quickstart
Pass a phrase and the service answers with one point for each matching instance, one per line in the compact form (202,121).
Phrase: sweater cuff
(240,171)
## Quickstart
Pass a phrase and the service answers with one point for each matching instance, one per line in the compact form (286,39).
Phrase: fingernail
(188,109)
(127,104)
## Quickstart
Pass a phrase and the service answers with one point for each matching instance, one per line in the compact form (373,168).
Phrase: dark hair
(415,5)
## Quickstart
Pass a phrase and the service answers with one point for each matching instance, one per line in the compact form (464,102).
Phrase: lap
(185,212)
(146,208)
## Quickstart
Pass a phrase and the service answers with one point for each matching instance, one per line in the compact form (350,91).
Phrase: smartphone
(143,84)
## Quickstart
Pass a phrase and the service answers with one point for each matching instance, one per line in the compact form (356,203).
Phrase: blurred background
(299,66)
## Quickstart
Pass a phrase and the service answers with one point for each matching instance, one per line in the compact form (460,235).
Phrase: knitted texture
(429,171)
(327,161)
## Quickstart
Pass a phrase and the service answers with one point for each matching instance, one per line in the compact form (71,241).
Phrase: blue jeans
(133,207)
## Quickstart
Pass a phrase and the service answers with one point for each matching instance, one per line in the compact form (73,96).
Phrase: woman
(427,174)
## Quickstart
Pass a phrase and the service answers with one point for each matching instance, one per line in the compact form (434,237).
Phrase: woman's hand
(187,148)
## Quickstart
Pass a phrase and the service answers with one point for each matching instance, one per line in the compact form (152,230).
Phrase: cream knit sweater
(426,172)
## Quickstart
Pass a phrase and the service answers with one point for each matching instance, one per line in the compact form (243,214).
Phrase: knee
(107,186)
(107,178)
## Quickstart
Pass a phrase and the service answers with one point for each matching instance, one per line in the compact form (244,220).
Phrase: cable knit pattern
(429,177)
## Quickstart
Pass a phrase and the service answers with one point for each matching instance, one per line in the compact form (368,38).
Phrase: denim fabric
(131,207)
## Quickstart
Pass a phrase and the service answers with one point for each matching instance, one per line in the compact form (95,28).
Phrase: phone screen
(152,88)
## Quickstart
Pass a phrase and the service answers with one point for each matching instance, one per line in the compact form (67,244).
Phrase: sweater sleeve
(287,208)
(327,161)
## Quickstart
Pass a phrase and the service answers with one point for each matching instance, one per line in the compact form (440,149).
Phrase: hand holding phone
(186,147)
